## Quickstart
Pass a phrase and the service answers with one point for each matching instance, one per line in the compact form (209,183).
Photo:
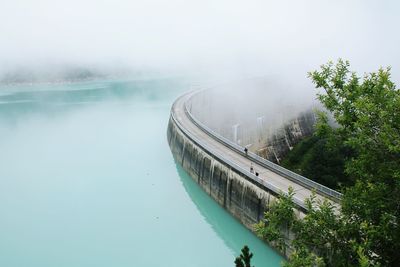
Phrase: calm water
(87,179)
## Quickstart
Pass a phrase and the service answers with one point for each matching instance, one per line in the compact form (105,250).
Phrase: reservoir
(87,179)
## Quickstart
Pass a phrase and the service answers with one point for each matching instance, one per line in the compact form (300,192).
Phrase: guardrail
(321,189)
(232,164)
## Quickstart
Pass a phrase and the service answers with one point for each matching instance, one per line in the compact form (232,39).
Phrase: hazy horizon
(206,39)
(94,151)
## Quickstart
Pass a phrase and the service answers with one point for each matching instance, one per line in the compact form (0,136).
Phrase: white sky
(251,37)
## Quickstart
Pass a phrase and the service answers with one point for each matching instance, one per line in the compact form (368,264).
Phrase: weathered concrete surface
(245,200)
(276,146)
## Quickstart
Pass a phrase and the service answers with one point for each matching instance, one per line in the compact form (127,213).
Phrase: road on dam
(216,147)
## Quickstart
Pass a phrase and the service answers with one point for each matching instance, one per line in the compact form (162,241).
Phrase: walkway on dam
(276,180)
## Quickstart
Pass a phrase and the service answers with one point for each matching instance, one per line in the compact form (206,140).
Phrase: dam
(223,169)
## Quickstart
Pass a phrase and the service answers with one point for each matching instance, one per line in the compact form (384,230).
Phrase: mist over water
(86,175)
(87,179)
(204,39)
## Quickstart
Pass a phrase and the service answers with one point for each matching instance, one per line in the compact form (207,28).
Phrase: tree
(321,238)
(321,158)
(368,113)
(278,221)
(317,241)
(244,260)
(365,229)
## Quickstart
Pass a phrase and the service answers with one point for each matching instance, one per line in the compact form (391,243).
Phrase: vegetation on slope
(321,160)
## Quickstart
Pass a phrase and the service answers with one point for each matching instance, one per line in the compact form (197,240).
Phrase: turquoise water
(87,179)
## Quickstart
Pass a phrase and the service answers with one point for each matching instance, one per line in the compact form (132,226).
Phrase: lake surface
(87,179)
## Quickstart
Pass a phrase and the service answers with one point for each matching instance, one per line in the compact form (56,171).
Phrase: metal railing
(230,163)
(312,185)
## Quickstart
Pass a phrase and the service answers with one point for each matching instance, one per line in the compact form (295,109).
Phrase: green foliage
(315,243)
(317,159)
(302,257)
(322,156)
(369,117)
(368,113)
(280,215)
(365,229)
(321,238)
(244,260)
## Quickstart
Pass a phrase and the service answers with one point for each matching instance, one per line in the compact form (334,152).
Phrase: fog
(216,39)
(80,160)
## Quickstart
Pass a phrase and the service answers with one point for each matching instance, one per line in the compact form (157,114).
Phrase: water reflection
(234,234)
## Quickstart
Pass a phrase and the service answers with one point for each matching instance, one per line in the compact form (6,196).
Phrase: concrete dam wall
(241,181)
(243,197)
(278,144)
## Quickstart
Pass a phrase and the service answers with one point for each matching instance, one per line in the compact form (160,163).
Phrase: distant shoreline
(55,82)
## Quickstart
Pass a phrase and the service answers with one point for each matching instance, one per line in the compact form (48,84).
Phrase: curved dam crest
(224,175)
(241,198)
